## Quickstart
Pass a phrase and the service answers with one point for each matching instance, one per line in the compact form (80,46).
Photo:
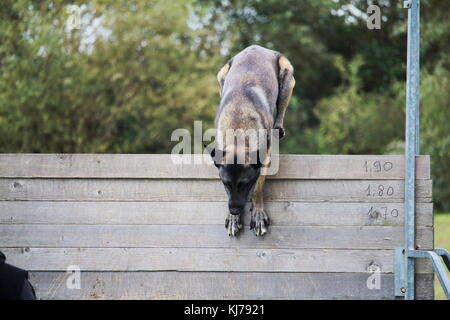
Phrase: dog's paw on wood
(259,222)
(233,224)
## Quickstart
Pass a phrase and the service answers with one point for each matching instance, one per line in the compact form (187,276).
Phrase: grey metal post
(412,136)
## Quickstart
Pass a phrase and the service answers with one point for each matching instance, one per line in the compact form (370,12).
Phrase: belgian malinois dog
(252,85)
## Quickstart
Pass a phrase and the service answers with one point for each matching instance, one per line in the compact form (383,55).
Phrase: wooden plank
(187,213)
(221,285)
(202,236)
(162,166)
(206,190)
(205,259)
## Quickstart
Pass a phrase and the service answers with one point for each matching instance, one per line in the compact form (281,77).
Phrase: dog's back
(250,90)
(252,85)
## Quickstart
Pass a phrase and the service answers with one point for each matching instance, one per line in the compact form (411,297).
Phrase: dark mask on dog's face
(239,180)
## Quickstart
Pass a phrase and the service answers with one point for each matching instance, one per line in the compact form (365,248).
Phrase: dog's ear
(213,154)
(256,161)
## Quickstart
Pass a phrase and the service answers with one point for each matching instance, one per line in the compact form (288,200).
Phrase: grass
(441,240)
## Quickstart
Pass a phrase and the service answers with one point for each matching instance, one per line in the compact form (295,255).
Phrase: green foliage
(126,91)
(435,129)
(354,122)
(441,240)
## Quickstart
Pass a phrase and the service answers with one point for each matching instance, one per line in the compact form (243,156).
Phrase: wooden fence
(142,227)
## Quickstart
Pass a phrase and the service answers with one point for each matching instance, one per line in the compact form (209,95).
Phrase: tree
(123,83)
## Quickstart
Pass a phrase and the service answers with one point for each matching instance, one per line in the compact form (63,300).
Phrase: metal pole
(411,136)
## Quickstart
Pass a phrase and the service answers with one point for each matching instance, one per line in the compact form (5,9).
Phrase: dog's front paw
(233,224)
(259,222)
(281,132)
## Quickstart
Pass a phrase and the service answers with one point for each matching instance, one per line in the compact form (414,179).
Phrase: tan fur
(221,76)
(287,83)
(252,85)
(257,197)
(284,63)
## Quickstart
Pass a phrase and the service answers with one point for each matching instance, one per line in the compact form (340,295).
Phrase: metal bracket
(438,266)
(407,4)
(401,256)
(445,256)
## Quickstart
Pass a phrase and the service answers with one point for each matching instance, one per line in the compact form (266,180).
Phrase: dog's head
(238,179)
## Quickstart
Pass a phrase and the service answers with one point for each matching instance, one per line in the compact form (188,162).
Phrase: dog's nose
(235,211)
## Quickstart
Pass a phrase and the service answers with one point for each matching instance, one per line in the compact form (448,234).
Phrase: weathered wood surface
(206,259)
(206,190)
(162,166)
(142,227)
(204,236)
(192,213)
(221,285)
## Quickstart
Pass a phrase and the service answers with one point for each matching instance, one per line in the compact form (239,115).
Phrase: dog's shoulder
(255,56)
(257,51)
(254,73)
